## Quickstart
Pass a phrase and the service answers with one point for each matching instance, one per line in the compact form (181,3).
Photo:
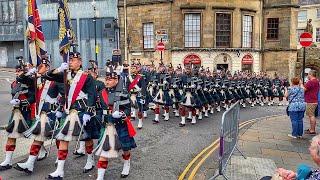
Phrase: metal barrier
(229,133)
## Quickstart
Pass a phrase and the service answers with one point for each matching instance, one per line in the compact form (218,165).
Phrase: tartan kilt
(244,93)
(127,142)
(215,97)
(236,95)
(229,95)
(252,93)
(177,95)
(197,101)
(202,97)
(209,97)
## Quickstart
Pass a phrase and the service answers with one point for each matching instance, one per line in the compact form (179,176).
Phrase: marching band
(46,107)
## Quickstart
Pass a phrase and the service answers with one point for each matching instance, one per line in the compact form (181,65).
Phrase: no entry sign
(306,39)
(160,46)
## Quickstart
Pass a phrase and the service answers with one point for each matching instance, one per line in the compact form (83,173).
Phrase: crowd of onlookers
(303,101)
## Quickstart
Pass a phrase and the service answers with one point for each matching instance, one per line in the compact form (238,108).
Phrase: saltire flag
(66,33)
(34,34)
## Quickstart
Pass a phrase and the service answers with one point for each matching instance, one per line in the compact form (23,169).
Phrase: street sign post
(161,48)
(305,41)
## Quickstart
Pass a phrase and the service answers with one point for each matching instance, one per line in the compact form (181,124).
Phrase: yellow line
(183,174)
(196,168)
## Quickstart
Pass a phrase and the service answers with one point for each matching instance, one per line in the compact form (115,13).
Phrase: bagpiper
(80,107)
(119,131)
(23,102)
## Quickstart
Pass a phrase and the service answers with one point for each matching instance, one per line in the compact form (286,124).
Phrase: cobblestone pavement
(163,150)
(268,141)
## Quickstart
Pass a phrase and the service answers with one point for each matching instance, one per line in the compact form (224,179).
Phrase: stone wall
(282,62)
(312,60)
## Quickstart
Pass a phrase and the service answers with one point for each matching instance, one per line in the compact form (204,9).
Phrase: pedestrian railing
(229,133)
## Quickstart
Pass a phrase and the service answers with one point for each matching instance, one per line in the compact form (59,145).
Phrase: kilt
(127,142)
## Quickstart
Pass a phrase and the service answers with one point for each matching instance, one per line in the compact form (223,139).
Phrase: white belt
(82,95)
(51,100)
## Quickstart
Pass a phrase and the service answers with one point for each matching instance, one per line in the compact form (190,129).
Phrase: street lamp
(95,30)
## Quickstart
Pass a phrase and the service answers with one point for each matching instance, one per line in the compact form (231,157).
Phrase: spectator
(311,98)
(304,172)
(297,107)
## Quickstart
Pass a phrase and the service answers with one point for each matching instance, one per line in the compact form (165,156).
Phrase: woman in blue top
(297,107)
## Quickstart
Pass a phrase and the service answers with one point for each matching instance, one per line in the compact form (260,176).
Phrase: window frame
(267,29)
(304,20)
(318,35)
(184,13)
(252,30)
(231,28)
(143,36)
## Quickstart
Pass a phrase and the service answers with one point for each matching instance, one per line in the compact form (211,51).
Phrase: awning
(247,59)
(192,59)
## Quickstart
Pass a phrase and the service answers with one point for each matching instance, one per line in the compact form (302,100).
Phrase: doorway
(222,67)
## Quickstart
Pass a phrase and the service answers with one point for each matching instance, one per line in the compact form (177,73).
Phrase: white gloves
(58,114)
(86,118)
(117,114)
(31,71)
(64,66)
(15,102)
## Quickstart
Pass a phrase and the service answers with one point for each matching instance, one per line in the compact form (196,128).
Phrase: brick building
(239,35)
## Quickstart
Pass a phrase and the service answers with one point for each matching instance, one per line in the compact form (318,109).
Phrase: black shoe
(6,167)
(124,176)
(182,125)
(155,122)
(17,167)
(55,178)
(78,154)
(88,170)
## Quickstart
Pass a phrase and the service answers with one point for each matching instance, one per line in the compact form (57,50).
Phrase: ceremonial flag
(66,33)
(34,34)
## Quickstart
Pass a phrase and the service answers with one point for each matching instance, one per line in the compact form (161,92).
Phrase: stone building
(255,35)
(309,9)
(11,31)
(82,15)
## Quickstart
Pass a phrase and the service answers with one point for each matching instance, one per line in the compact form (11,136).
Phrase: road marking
(217,145)
(213,147)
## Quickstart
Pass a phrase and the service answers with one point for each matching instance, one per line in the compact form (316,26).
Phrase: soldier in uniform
(188,98)
(176,86)
(137,89)
(99,85)
(23,99)
(268,89)
(162,97)
(277,92)
(119,131)
(48,112)
(80,106)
